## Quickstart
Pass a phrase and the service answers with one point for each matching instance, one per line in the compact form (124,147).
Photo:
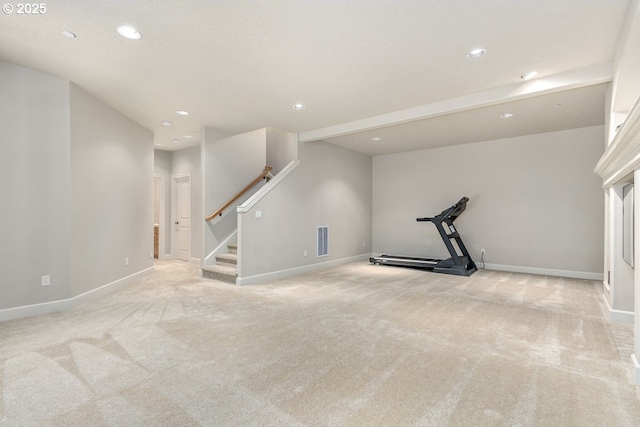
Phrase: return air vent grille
(323,241)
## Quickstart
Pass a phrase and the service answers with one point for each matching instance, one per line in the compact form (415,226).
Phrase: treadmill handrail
(454,212)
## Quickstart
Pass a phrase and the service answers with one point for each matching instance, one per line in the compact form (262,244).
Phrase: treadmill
(458,264)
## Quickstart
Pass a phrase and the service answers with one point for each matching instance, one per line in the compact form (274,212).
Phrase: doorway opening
(158,216)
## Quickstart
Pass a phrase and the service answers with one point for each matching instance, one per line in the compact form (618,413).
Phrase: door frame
(174,213)
(162,207)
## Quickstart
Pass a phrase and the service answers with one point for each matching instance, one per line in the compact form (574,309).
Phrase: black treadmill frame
(458,264)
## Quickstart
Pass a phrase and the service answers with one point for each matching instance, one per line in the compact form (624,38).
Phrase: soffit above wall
(564,110)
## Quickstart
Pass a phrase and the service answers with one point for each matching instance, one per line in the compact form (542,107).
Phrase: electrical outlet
(364,244)
(305,252)
(126,261)
(46,280)
(483,251)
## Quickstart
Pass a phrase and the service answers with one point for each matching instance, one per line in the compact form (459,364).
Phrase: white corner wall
(282,148)
(80,187)
(35,219)
(535,203)
(331,187)
(112,187)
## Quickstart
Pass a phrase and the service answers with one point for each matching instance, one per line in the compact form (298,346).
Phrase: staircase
(225,268)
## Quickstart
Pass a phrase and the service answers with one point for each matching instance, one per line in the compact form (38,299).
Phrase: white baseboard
(636,367)
(620,316)
(545,271)
(298,270)
(69,303)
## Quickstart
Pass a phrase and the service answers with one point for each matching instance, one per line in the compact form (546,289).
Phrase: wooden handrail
(265,172)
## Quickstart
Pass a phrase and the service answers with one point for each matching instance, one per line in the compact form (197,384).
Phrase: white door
(182,221)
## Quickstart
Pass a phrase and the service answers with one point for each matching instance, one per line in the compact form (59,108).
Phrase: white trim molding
(544,271)
(273,183)
(69,303)
(622,156)
(298,270)
(618,315)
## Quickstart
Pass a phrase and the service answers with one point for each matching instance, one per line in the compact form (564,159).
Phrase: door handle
(177,222)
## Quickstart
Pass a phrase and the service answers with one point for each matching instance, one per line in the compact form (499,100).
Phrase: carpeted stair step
(232,248)
(230,260)
(220,272)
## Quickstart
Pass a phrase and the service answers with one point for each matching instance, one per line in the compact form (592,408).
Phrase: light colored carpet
(357,345)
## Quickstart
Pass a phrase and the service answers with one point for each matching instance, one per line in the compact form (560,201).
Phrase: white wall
(77,198)
(112,189)
(534,200)
(230,163)
(36,193)
(331,187)
(282,148)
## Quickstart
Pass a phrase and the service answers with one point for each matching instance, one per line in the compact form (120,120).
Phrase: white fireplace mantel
(622,156)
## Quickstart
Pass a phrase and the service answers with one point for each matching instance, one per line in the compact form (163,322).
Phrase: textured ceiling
(241,65)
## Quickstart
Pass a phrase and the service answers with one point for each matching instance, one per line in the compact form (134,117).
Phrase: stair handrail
(265,172)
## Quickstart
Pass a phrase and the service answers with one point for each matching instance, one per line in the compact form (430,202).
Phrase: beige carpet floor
(356,345)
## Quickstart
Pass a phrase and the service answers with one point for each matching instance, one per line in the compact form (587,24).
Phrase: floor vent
(323,241)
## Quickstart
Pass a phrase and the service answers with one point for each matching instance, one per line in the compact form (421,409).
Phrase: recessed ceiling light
(129,32)
(166,123)
(557,105)
(506,115)
(175,141)
(376,138)
(157,144)
(298,107)
(476,53)
(182,112)
(69,34)
(529,75)
(187,136)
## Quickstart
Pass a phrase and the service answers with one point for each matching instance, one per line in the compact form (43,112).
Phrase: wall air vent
(323,241)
